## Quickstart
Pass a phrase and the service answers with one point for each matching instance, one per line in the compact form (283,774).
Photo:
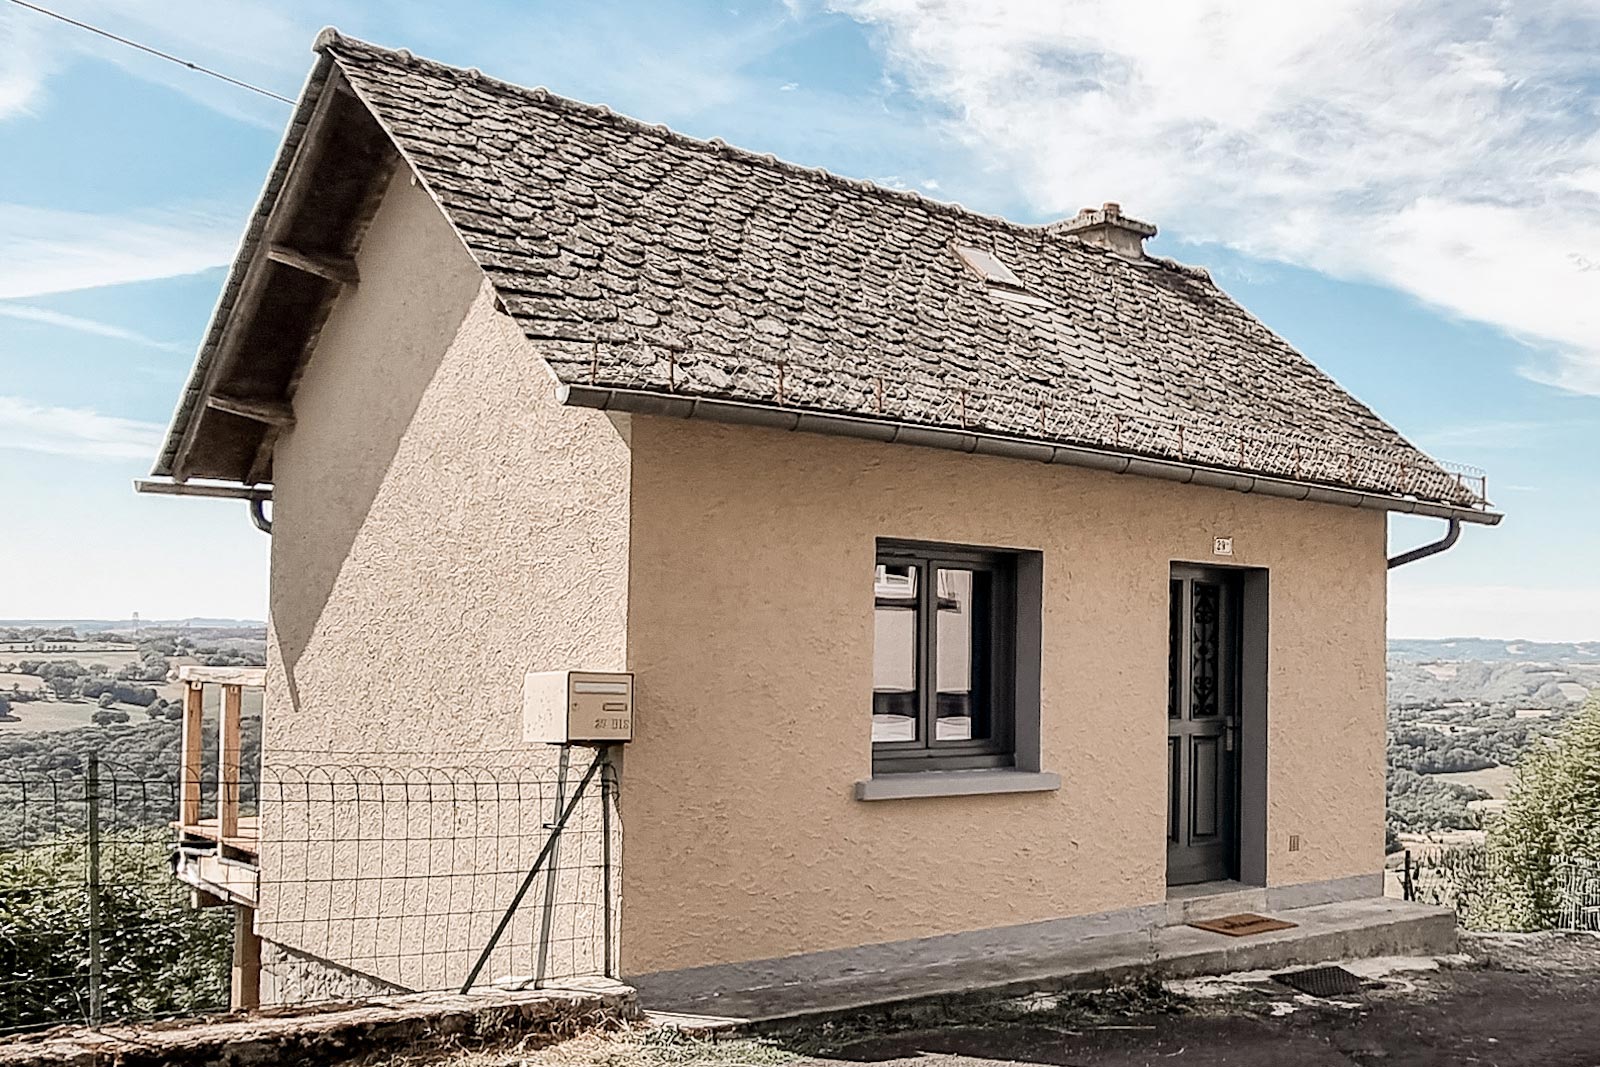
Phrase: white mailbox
(561,707)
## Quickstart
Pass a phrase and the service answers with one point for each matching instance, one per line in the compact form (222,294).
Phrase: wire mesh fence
(398,877)
(359,880)
(93,926)
(1491,891)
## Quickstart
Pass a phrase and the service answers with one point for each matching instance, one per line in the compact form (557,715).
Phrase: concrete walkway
(1346,930)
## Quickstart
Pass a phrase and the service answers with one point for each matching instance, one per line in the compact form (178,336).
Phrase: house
(971,574)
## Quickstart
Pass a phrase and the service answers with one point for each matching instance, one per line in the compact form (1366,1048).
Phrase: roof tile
(628,236)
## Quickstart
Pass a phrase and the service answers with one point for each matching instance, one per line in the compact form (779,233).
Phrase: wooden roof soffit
(339,269)
(269,412)
(293,196)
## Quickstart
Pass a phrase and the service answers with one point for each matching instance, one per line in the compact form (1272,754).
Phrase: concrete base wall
(289,977)
(1041,939)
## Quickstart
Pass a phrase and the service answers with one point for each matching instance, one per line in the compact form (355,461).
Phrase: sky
(1408,192)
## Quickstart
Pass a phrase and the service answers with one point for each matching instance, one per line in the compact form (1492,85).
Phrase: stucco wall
(440,527)
(751,634)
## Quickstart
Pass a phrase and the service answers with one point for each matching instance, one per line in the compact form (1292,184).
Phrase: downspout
(258,516)
(1433,548)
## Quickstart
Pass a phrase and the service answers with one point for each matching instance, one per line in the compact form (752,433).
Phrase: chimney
(1108,228)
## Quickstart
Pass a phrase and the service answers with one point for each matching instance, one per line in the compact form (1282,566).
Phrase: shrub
(159,956)
(1552,814)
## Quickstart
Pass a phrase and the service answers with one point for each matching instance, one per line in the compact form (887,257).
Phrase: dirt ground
(1507,1000)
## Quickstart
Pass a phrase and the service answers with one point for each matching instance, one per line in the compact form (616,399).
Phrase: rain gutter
(644,402)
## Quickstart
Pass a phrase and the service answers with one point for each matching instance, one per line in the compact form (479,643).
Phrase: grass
(1496,781)
(117,658)
(50,716)
(641,1046)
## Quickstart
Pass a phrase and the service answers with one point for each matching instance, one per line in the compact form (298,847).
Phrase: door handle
(1228,734)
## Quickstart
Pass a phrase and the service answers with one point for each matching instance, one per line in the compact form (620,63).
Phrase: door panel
(1202,724)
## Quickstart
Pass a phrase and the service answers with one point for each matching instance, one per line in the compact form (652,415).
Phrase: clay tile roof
(646,261)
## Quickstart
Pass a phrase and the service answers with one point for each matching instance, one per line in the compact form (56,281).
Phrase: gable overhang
(296,255)
(647,402)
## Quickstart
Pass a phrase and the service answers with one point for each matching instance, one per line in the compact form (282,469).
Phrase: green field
(1496,781)
(120,658)
(28,683)
(49,716)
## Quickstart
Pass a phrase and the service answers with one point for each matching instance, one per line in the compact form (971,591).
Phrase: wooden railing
(227,828)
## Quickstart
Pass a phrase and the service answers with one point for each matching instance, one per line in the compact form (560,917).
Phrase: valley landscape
(1461,711)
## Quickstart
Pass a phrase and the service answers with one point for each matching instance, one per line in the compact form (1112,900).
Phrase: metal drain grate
(1321,981)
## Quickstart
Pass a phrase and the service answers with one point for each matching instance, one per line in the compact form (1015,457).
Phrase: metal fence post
(533,872)
(607,780)
(547,918)
(91,795)
(1409,887)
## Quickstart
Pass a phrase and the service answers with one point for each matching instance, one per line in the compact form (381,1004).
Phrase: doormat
(1321,981)
(1242,925)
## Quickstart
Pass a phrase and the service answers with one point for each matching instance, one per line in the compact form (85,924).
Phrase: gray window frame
(927,753)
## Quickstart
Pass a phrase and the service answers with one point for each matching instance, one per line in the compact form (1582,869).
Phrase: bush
(159,956)
(1552,814)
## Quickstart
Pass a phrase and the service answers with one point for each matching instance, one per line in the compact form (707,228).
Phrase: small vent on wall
(1294,842)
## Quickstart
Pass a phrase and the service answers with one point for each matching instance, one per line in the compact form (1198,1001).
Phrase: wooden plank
(271,412)
(246,988)
(339,269)
(228,764)
(189,770)
(253,677)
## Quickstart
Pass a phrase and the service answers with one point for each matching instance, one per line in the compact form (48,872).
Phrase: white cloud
(46,317)
(1448,150)
(1498,611)
(22,62)
(44,250)
(264,43)
(75,431)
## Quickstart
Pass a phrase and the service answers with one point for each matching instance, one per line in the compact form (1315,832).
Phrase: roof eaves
(191,399)
(972,440)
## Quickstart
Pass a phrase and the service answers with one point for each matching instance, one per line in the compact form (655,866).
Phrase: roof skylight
(999,280)
(987,265)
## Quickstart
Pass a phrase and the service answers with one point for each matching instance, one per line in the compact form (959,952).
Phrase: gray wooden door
(1202,726)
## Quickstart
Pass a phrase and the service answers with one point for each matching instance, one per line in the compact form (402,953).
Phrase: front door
(1202,726)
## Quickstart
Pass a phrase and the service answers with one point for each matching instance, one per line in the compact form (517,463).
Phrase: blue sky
(1410,193)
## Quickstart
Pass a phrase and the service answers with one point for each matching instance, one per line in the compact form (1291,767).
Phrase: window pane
(894,653)
(1206,643)
(962,655)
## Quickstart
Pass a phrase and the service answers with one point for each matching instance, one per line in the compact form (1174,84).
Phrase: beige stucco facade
(441,526)
(751,633)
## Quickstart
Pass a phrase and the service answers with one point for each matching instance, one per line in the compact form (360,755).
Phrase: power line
(152,51)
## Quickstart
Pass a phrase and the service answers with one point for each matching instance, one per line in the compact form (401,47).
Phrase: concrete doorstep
(332,1033)
(1344,930)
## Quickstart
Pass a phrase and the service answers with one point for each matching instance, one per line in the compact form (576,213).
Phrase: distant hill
(1494,650)
(103,625)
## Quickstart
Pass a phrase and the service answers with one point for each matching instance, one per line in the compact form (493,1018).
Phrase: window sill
(909,784)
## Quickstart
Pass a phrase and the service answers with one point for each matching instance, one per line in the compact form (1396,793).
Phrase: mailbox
(564,707)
